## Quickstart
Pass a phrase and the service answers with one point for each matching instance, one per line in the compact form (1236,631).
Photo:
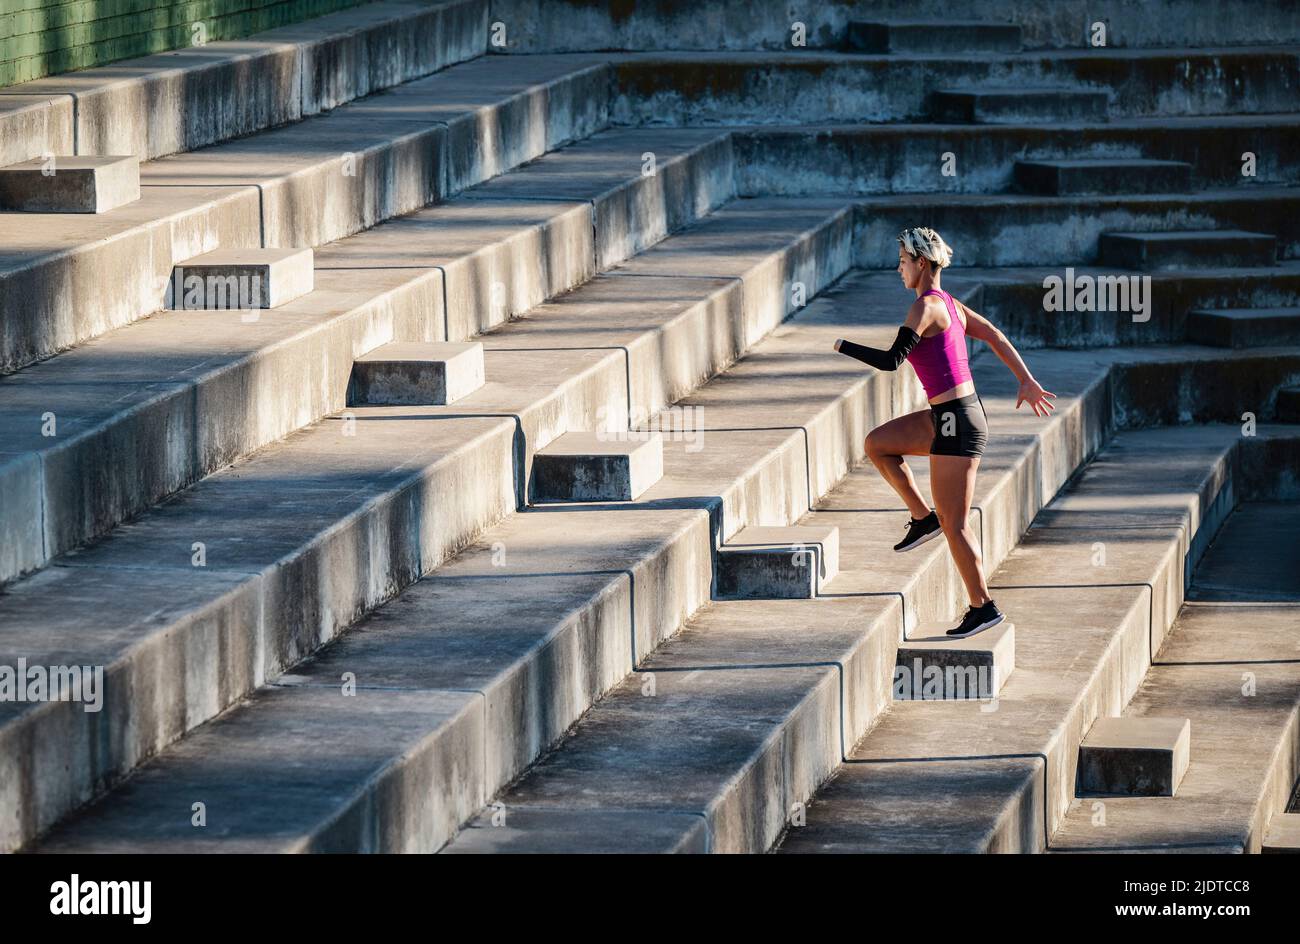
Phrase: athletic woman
(954,430)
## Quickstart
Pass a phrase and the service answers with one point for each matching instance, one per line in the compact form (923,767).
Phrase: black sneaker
(977,619)
(919,530)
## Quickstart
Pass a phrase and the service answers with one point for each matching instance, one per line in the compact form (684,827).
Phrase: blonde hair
(923,241)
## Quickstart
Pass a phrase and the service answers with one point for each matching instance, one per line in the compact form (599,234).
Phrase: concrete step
(1060,178)
(1244,327)
(1107,536)
(416,373)
(776,563)
(597,467)
(194,391)
(1079,88)
(1015,105)
(934,666)
(364,523)
(241,279)
(576,25)
(303,185)
(191,98)
(1134,756)
(830,156)
(1228,665)
(1288,405)
(1187,249)
(994,229)
(1283,834)
(61,184)
(933,37)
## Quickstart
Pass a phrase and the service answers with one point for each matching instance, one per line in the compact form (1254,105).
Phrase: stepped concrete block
(1187,249)
(933,38)
(785,563)
(1244,327)
(933,666)
(61,184)
(1014,105)
(1288,405)
(34,125)
(1102,176)
(237,279)
(414,373)
(603,466)
(1283,834)
(1134,756)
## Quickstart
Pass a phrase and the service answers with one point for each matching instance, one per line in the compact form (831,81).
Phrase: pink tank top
(940,361)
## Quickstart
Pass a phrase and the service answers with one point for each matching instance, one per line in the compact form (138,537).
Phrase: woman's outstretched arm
(909,336)
(1031,391)
(882,359)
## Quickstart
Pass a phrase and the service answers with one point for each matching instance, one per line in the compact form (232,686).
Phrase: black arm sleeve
(884,360)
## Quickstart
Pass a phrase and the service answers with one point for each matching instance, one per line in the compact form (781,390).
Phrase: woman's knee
(875,446)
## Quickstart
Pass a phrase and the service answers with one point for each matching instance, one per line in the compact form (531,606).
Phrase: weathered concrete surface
(352,53)
(1230,664)
(61,184)
(684,175)
(1103,175)
(1017,105)
(498,113)
(1283,834)
(739,717)
(933,38)
(760,563)
(745,24)
(242,279)
(414,373)
(227,383)
(305,743)
(597,467)
(821,159)
(932,665)
(1047,705)
(55,269)
(1244,327)
(1081,85)
(359,512)
(191,98)
(1187,249)
(1134,756)
(1017,229)
(32,125)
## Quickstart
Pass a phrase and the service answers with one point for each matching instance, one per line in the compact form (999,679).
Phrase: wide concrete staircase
(520,505)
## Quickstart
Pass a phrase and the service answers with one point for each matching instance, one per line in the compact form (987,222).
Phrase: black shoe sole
(929,537)
(978,629)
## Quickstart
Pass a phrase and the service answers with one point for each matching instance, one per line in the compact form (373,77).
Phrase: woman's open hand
(838,341)
(1032,392)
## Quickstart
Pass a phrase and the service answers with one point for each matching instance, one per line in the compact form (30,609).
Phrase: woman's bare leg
(952,481)
(909,435)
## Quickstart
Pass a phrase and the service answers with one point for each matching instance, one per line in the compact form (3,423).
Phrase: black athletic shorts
(960,427)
